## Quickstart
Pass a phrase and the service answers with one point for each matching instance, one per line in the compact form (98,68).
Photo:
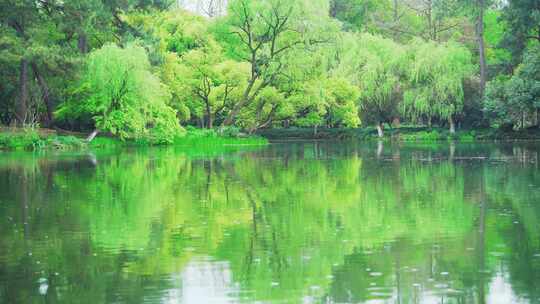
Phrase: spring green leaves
(122,96)
(436,79)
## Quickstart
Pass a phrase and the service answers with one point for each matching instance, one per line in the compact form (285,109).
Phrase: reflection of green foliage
(314,219)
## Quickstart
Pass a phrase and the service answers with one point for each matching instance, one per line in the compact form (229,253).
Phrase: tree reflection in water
(312,222)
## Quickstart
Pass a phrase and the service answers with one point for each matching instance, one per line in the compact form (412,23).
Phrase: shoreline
(404,134)
(48,139)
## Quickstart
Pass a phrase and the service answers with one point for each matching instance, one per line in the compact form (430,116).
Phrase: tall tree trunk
(395,20)
(209,116)
(395,11)
(82,43)
(22,104)
(481,46)
(452,125)
(229,120)
(45,94)
(210,122)
(380,130)
(431,26)
(333,9)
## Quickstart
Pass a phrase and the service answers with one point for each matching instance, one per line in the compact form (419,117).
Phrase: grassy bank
(212,138)
(43,139)
(401,134)
(36,139)
(438,134)
(30,139)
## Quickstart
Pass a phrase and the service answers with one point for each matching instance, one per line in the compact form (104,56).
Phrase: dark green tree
(523,21)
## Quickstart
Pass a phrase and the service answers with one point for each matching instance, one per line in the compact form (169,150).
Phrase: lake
(297,222)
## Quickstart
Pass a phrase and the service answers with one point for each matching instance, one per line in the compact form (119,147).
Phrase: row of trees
(142,68)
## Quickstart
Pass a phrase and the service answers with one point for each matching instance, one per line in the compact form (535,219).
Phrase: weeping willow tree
(119,94)
(373,64)
(435,81)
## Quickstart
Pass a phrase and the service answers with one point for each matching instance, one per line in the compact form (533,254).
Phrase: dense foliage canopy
(122,96)
(141,69)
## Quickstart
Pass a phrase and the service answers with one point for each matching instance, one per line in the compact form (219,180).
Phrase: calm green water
(328,222)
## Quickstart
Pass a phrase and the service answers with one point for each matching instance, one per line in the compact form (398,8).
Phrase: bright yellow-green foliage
(271,73)
(332,100)
(202,80)
(341,100)
(373,64)
(435,75)
(210,83)
(494,38)
(123,97)
(256,64)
